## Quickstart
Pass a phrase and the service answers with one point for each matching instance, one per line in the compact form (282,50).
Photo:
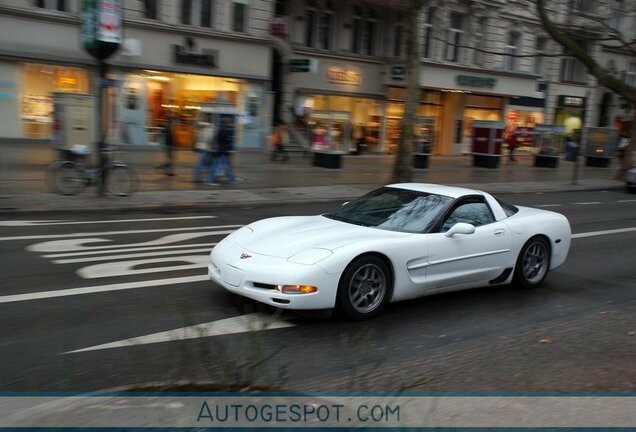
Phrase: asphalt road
(92,303)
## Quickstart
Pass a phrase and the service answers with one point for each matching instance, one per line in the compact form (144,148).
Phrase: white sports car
(398,242)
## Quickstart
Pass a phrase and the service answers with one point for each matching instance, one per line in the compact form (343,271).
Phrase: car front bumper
(257,277)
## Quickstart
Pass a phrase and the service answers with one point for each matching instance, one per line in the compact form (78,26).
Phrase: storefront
(523,114)
(26,98)
(569,113)
(148,97)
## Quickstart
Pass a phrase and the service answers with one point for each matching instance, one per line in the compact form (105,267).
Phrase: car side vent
(264,286)
(502,277)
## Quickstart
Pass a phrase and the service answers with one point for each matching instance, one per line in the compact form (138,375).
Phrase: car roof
(449,191)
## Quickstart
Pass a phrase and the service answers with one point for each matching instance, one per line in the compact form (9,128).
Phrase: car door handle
(499,231)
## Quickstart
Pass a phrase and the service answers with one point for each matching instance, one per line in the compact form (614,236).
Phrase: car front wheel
(533,263)
(364,288)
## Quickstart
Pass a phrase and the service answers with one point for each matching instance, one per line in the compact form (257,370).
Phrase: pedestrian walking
(205,146)
(224,148)
(571,149)
(279,142)
(168,146)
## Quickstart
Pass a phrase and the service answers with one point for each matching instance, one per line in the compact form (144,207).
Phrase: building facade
(339,66)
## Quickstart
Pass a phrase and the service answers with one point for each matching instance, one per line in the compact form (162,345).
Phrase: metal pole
(101,121)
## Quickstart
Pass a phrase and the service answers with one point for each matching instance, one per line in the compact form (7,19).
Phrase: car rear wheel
(364,288)
(533,263)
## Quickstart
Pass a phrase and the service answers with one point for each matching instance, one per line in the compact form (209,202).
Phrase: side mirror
(460,228)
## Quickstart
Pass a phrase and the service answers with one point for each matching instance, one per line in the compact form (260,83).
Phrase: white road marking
(101,288)
(238,324)
(588,203)
(602,233)
(104,233)
(127,268)
(626,201)
(127,256)
(550,205)
(135,249)
(87,244)
(26,223)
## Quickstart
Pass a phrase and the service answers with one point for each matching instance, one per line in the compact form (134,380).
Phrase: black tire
(364,288)
(533,263)
(121,180)
(65,178)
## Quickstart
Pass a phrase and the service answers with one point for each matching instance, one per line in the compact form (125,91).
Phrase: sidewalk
(23,189)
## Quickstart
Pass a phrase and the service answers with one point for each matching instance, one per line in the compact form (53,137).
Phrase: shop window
(398,28)
(151,9)
(59,5)
(239,16)
(478,42)
(512,51)
(539,51)
(455,37)
(427,41)
(196,12)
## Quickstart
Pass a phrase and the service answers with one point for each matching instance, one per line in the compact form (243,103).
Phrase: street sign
(101,27)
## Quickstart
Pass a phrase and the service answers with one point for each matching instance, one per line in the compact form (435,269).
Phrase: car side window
(476,213)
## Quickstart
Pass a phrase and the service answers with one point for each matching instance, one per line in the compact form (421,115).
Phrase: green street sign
(302,65)
(101,27)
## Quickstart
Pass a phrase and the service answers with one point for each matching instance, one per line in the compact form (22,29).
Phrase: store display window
(39,82)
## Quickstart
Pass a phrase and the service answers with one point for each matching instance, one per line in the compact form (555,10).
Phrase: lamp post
(101,33)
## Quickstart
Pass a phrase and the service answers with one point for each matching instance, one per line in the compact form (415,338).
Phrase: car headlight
(310,256)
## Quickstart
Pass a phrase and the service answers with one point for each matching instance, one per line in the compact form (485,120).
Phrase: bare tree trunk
(403,168)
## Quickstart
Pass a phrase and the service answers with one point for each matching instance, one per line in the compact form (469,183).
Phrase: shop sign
(473,81)
(279,25)
(342,76)
(398,73)
(205,58)
(303,65)
(571,101)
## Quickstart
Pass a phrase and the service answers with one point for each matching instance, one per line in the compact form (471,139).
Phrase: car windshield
(393,209)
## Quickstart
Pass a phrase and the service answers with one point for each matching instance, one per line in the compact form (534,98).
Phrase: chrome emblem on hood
(244,256)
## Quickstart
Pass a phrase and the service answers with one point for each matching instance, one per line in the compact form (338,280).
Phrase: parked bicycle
(72,174)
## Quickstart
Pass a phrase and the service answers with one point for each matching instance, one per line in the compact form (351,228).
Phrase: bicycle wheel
(68,178)
(51,176)
(121,180)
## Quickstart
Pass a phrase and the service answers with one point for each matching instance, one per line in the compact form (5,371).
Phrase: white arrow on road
(127,268)
(239,324)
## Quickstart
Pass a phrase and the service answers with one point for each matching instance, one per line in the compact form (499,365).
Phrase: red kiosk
(486,143)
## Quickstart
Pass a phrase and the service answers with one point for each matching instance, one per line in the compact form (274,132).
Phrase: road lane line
(602,233)
(135,255)
(588,203)
(138,249)
(29,223)
(626,201)
(104,233)
(238,324)
(550,205)
(101,288)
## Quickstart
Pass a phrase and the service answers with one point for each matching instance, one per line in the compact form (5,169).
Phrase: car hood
(287,236)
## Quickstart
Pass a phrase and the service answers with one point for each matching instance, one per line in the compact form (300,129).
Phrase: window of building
(325,28)
(455,37)
(427,41)
(629,77)
(539,50)
(478,42)
(196,12)
(239,13)
(617,12)
(151,9)
(396,46)
(573,71)
(59,5)
(512,50)
(311,15)
(363,24)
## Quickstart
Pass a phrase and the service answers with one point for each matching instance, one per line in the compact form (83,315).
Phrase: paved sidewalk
(23,189)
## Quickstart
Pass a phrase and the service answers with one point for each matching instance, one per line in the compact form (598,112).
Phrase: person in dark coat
(225,146)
